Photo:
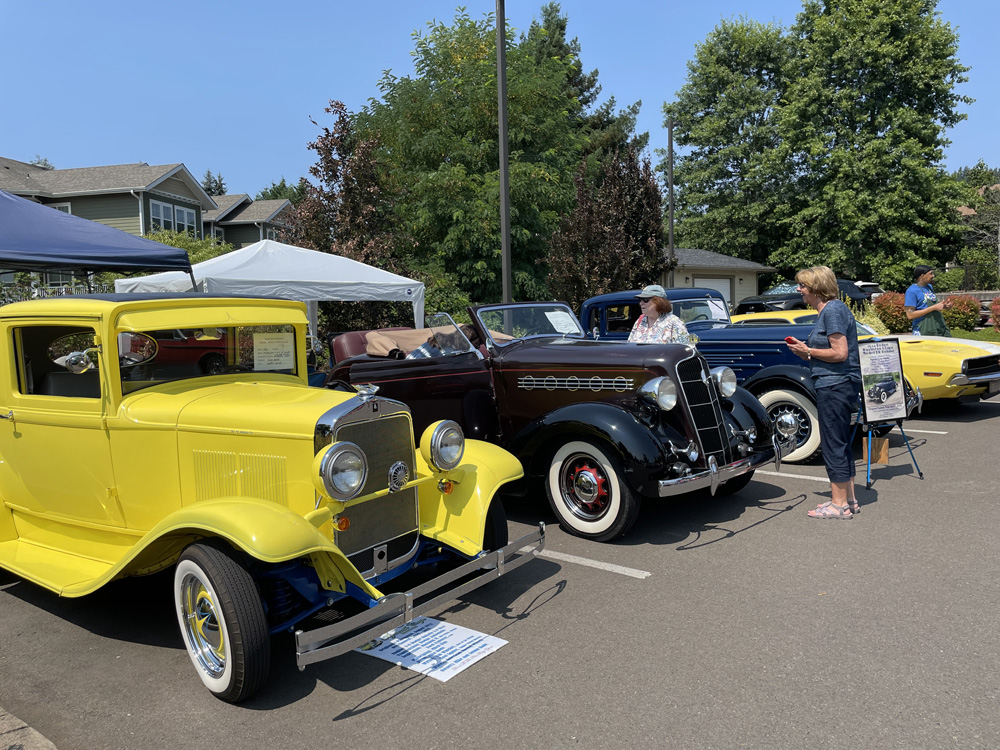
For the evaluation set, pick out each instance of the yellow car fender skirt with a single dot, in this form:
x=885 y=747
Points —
x=457 y=518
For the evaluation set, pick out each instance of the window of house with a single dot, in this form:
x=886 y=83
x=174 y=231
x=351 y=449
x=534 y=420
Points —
x=58 y=278
x=220 y=234
x=272 y=233
x=66 y=208
x=162 y=215
x=184 y=219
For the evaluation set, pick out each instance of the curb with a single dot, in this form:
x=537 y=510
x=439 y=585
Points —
x=16 y=735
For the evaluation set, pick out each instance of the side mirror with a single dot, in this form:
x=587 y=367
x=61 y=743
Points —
x=596 y=333
x=79 y=362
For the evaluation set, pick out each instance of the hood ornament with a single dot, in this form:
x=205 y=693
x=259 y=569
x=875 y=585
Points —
x=366 y=391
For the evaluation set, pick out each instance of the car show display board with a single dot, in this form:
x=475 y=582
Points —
x=432 y=647
x=883 y=397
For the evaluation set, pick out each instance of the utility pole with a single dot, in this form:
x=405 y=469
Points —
x=504 y=147
x=670 y=198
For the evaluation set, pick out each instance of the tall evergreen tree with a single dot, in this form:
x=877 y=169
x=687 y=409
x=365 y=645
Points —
x=213 y=184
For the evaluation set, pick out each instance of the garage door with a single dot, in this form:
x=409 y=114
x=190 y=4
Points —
x=725 y=286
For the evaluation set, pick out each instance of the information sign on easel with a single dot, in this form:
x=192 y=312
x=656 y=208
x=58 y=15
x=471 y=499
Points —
x=883 y=394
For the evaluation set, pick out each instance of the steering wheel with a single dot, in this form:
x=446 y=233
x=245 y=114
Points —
x=698 y=317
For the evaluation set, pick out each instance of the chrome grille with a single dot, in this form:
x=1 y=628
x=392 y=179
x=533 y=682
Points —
x=385 y=440
x=704 y=409
x=978 y=366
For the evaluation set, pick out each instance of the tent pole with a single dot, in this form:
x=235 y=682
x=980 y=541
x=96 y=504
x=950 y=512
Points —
x=194 y=282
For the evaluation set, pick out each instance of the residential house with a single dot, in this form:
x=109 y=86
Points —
x=241 y=221
x=735 y=278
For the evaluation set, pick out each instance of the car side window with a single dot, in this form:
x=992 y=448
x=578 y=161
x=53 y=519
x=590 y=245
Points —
x=622 y=317
x=41 y=361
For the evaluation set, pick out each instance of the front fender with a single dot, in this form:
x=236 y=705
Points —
x=747 y=411
x=781 y=377
x=633 y=443
x=266 y=531
x=457 y=518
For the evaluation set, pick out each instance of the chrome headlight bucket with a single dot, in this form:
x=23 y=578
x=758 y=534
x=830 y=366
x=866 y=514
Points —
x=443 y=444
x=725 y=381
x=660 y=391
x=342 y=470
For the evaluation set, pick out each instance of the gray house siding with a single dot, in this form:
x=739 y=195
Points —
x=241 y=235
x=120 y=211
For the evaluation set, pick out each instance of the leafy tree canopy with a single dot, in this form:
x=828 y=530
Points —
x=825 y=143
x=41 y=161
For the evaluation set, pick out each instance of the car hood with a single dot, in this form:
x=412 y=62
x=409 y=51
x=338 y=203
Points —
x=240 y=408
x=944 y=345
x=566 y=353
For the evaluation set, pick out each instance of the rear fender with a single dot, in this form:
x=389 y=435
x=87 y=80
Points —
x=457 y=518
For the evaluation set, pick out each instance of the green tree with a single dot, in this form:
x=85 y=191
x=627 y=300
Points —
x=437 y=134
x=612 y=240
x=871 y=91
x=198 y=249
x=978 y=176
x=284 y=191
x=41 y=161
x=213 y=184
x=724 y=113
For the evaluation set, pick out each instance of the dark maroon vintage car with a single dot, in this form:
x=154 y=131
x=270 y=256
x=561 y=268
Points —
x=601 y=424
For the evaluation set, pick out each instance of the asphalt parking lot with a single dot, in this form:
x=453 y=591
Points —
x=716 y=623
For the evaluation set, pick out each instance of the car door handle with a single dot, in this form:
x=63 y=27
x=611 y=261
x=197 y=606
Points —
x=9 y=415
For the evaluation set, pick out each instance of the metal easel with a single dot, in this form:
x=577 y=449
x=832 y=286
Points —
x=869 y=436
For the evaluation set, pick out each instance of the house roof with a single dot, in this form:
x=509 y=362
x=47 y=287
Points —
x=28 y=180
x=693 y=258
x=257 y=212
x=226 y=203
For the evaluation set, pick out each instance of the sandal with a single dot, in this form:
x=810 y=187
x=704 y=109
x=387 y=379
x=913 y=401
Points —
x=854 y=506
x=829 y=510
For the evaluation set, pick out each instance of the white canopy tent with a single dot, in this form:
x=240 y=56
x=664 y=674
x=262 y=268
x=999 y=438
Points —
x=273 y=269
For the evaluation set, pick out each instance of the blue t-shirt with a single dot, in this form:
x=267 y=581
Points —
x=835 y=317
x=919 y=298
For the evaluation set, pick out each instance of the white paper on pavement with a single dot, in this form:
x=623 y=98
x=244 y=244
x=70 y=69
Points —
x=432 y=647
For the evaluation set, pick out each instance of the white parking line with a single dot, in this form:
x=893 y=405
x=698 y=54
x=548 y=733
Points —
x=793 y=476
x=611 y=568
x=926 y=432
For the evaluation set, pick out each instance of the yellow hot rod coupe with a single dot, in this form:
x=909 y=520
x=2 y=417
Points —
x=123 y=454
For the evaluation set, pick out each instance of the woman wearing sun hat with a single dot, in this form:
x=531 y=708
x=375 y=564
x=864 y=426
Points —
x=657 y=324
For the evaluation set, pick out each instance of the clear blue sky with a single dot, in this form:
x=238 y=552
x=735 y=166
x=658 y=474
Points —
x=231 y=86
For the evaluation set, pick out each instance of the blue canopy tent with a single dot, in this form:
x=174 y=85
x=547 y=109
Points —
x=34 y=237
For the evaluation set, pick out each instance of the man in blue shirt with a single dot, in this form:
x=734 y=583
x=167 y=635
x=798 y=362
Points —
x=921 y=305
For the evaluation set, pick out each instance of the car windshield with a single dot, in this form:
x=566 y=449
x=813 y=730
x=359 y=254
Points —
x=180 y=354
x=447 y=336
x=506 y=323
x=701 y=309
x=788 y=287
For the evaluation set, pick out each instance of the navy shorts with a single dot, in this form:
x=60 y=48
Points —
x=836 y=404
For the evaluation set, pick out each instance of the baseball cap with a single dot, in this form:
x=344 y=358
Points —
x=653 y=290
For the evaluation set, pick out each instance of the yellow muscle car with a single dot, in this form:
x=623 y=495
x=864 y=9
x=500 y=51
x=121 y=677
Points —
x=272 y=501
x=940 y=367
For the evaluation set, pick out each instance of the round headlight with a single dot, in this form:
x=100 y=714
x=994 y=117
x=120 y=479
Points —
x=343 y=470
x=662 y=391
x=725 y=381
x=447 y=445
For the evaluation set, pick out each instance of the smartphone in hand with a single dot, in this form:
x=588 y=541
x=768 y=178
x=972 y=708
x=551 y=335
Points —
x=789 y=339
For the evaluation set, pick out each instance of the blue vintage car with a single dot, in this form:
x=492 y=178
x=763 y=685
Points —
x=756 y=353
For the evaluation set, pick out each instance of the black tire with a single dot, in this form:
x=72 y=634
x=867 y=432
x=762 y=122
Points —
x=495 y=533
x=222 y=621
x=801 y=407
x=588 y=493
x=213 y=364
x=734 y=485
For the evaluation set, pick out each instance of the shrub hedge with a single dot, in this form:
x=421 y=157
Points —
x=889 y=307
x=962 y=312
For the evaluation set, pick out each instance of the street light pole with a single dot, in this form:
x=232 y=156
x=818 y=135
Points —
x=670 y=198
x=504 y=147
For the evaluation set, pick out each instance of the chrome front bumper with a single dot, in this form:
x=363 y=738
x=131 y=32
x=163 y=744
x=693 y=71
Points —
x=716 y=475
x=394 y=610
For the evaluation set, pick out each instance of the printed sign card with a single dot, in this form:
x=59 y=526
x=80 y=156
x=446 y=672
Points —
x=883 y=396
x=432 y=647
